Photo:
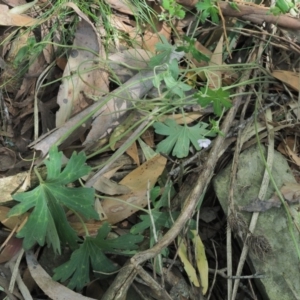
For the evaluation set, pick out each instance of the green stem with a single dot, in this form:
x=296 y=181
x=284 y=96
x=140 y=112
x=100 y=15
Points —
x=38 y=175
x=82 y=223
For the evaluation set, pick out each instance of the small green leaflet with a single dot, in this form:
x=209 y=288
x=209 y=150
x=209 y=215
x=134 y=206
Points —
x=165 y=50
x=48 y=222
x=179 y=137
x=170 y=77
x=90 y=254
x=219 y=98
x=208 y=9
x=284 y=5
x=234 y=6
x=176 y=87
x=174 y=9
x=161 y=220
x=189 y=47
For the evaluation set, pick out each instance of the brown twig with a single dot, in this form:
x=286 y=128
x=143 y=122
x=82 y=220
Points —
x=256 y=14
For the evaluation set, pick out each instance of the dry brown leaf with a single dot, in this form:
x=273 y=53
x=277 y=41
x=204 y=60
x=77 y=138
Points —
x=11 y=222
x=10 y=19
x=291 y=79
x=122 y=6
x=11 y=74
x=48 y=49
x=14 y=3
x=187 y=118
x=294 y=105
x=12 y=247
x=152 y=35
x=148 y=137
x=132 y=151
x=91 y=226
x=121 y=23
x=291 y=192
x=287 y=147
x=81 y=75
x=134 y=57
x=139 y=181
x=7 y=158
x=214 y=77
x=228 y=74
x=11 y=184
x=109 y=187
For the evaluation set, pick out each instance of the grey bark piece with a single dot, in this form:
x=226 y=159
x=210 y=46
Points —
x=282 y=267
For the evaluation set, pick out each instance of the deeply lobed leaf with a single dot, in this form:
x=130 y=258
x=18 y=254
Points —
x=90 y=255
x=48 y=221
x=179 y=137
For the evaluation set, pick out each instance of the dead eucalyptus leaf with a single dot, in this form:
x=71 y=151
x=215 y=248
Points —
x=109 y=187
x=291 y=79
x=139 y=181
x=81 y=75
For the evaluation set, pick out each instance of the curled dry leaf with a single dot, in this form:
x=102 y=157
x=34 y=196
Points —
x=291 y=192
x=7 y=18
x=287 y=148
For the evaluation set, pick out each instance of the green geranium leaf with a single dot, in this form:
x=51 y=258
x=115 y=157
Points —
x=179 y=137
x=219 y=98
x=90 y=256
x=48 y=222
x=208 y=9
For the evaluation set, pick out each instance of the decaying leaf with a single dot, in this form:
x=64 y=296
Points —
x=81 y=74
x=214 y=79
x=139 y=181
x=287 y=147
x=152 y=34
x=290 y=192
x=201 y=261
x=12 y=222
x=291 y=79
x=110 y=187
x=189 y=269
x=11 y=248
x=261 y=206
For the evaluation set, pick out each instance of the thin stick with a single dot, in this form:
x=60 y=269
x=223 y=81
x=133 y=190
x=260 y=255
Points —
x=261 y=195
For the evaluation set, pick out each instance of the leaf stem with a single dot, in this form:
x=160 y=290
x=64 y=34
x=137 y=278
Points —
x=82 y=223
x=38 y=175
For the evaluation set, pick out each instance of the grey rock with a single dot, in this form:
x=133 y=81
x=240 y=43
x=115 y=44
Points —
x=281 y=268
